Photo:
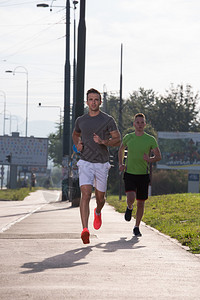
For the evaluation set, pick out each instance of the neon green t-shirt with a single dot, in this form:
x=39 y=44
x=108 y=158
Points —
x=137 y=146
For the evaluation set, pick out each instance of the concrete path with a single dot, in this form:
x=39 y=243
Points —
x=43 y=257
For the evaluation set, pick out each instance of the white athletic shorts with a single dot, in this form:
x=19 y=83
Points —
x=94 y=174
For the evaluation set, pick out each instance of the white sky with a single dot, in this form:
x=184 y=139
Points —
x=160 y=40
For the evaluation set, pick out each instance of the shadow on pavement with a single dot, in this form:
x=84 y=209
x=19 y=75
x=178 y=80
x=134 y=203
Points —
x=123 y=243
x=71 y=258
x=68 y=259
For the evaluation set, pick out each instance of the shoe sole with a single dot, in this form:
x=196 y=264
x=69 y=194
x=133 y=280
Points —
x=127 y=219
x=137 y=235
x=85 y=236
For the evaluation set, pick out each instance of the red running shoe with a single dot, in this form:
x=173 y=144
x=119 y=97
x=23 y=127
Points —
x=97 y=220
x=85 y=235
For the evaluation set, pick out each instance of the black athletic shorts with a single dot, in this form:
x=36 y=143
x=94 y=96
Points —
x=138 y=184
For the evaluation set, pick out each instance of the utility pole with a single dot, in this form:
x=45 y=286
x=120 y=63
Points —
x=120 y=92
x=74 y=68
x=104 y=99
x=120 y=118
x=79 y=106
x=80 y=81
x=66 y=124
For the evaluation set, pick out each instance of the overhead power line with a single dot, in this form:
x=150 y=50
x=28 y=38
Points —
x=6 y=3
x=23 y=45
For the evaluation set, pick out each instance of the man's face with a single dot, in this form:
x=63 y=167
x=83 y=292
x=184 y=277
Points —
x=93 y=101
x=139 y=124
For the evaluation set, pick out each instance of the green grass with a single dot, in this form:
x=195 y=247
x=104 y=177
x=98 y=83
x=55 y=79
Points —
x=17 y=194
x=176 y=215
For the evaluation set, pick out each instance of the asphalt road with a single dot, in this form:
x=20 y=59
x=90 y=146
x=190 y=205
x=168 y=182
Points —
x=43 y=257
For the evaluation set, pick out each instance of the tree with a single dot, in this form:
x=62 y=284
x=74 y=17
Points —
x=177 y=111
x=55 y=145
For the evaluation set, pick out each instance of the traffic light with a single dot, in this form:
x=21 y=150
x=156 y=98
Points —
x=8 y=158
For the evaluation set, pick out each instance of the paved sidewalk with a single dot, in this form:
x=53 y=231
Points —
x=43 y=257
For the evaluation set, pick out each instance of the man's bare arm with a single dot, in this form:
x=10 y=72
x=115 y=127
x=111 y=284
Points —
x=121 y=154
x=157 y=156
x=122 y=167
x=76 y=136
x=114 y=141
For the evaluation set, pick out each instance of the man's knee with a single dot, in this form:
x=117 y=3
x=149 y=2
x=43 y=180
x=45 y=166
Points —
x=86 y=192
x=130 y=196
x=140 y=203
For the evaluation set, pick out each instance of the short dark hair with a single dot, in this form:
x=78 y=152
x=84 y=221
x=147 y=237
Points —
x=94 y=91
x=141 y=115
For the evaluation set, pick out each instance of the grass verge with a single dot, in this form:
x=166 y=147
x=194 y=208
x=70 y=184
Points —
x=17 y=194
x=177 y=216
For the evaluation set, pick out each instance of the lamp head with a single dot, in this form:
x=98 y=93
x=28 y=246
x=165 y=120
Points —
x=42 y=5
x=75 y=3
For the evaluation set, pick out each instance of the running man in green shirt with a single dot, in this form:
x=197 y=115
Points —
x=140 y=145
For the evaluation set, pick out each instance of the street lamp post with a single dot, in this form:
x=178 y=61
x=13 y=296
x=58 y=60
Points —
x=53 y=106
x=74 y=68
x=120 y=117
x=79 y=106
x=80 y=79
x=10 y=119
x=4 y=109
x=66 y=122
x=25 y=72
x=4 y=124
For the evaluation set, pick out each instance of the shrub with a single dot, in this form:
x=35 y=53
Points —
x=169 y=182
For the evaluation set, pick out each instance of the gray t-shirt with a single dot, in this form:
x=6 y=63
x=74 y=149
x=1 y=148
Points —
x=102 y=125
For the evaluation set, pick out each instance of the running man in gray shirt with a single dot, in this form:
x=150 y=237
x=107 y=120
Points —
x=92 y=134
